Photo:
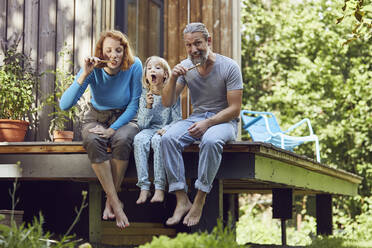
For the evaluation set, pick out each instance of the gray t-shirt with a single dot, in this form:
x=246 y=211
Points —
x=208 y=94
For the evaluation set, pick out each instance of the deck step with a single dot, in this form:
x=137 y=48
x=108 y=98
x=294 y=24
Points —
x=137 y=233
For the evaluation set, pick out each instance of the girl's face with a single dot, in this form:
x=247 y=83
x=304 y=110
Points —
x=113 y=51
x=155 y=73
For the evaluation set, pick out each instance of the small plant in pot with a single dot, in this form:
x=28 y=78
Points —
x=18 y=83
x=60 y=118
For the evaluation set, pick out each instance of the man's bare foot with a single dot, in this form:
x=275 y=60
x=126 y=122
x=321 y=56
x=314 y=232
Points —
x=108 y=213
x=121 y=218
x=181 y=209
x=193 y=216
x=158 y=196
x=144 y=195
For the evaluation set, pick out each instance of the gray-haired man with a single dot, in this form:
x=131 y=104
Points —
x=216 y=95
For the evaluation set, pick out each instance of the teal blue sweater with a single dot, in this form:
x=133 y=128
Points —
x=120 y=91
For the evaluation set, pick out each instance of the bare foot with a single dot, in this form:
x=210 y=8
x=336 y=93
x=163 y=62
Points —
x=181 y=209
x=193 y=217
x=121 y=218
x=108 y=213
x=144 y=195
x=158 y=196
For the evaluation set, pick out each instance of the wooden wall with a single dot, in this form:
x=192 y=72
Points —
x=222 y=18
x=46 y=26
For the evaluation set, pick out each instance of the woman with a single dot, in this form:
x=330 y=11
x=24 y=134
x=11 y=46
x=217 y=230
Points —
x=114 y=76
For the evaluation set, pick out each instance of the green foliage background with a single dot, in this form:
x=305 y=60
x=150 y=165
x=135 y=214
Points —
x=294 y=64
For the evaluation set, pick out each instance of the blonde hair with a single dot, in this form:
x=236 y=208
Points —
x=164 y=64
x=128 y=57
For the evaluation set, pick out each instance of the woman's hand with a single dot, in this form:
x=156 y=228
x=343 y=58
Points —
x=149 y=100
x=102 y=132
x=90 y=63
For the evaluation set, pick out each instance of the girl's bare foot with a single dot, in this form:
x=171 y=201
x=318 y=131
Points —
x=108 y=213
x=158 y=196
x=181 y=209
x=144 y=195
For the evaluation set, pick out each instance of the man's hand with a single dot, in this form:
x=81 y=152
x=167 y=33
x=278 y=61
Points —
x=178 y=70
x=161 y=132
x=102 y=132
x=197 y=129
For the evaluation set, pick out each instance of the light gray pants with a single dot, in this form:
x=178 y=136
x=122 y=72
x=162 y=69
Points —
x=211 y=146
x=142 y=142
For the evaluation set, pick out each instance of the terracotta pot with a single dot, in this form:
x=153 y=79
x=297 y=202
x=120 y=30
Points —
x=63 y=136
x=13 y=130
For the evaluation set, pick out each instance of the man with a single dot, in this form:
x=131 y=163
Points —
x=216 y=95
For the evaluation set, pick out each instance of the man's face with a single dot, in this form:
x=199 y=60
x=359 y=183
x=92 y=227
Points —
x=197 y=47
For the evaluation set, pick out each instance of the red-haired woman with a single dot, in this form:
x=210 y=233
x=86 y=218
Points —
x=114 y=77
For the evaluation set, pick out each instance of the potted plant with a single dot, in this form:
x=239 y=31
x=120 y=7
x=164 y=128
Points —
x=18 y=81
x=60 y=118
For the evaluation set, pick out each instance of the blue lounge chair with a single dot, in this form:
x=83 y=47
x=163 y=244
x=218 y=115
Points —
x=263 y=126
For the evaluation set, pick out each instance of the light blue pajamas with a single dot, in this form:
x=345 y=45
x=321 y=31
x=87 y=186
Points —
x=149 y=122
x=211 y=146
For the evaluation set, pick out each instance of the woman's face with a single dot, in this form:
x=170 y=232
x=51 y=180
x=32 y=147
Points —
x=113 y=51
x=155 y=73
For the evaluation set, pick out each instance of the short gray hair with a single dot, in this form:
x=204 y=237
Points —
x=196 y=27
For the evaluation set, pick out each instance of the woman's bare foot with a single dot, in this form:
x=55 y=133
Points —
x=108 y=213
x=182 y=208
x=144 y=195
x=158 y=196
x=121 y=218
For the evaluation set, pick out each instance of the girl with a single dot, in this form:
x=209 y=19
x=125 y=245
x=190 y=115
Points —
x=114 y=77
x=153 y=120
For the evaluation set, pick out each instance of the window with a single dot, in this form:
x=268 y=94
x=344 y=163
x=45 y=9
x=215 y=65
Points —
x=143 y=22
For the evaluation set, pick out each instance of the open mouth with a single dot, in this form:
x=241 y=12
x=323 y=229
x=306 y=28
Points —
x=153 y=78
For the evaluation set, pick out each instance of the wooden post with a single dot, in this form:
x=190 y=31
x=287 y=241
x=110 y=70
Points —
x=95 y=192
x=282 y=208
x=324 y=214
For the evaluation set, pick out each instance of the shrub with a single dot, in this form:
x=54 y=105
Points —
x=220 y=237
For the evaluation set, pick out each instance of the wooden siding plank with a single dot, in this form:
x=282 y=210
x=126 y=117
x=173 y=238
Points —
x=207 y=15
x=97 y=21
x=216 y=39
x=15 y=21
x=30 y=45
x=83 y=32
x=31 y=31
x=196 y=10
x=47 y=37
x=226 y=27
x=165 y=34
x=143 y=36
x=65 y=31
x=3 y=24
x=173 y=24
x=185 y=96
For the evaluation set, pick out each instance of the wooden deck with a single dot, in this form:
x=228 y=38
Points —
x=245 y=167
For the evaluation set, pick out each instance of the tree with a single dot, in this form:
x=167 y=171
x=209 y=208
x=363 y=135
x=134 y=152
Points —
x=294 y=65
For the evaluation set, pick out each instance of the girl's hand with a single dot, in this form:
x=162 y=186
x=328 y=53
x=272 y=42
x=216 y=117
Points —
x=102 y=132
x=161 y=132
x=90 y=63
x=149 y=100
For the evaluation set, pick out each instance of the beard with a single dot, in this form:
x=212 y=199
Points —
x=202 y=58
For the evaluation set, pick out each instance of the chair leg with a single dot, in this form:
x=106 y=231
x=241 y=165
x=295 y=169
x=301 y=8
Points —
x=317 y=149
